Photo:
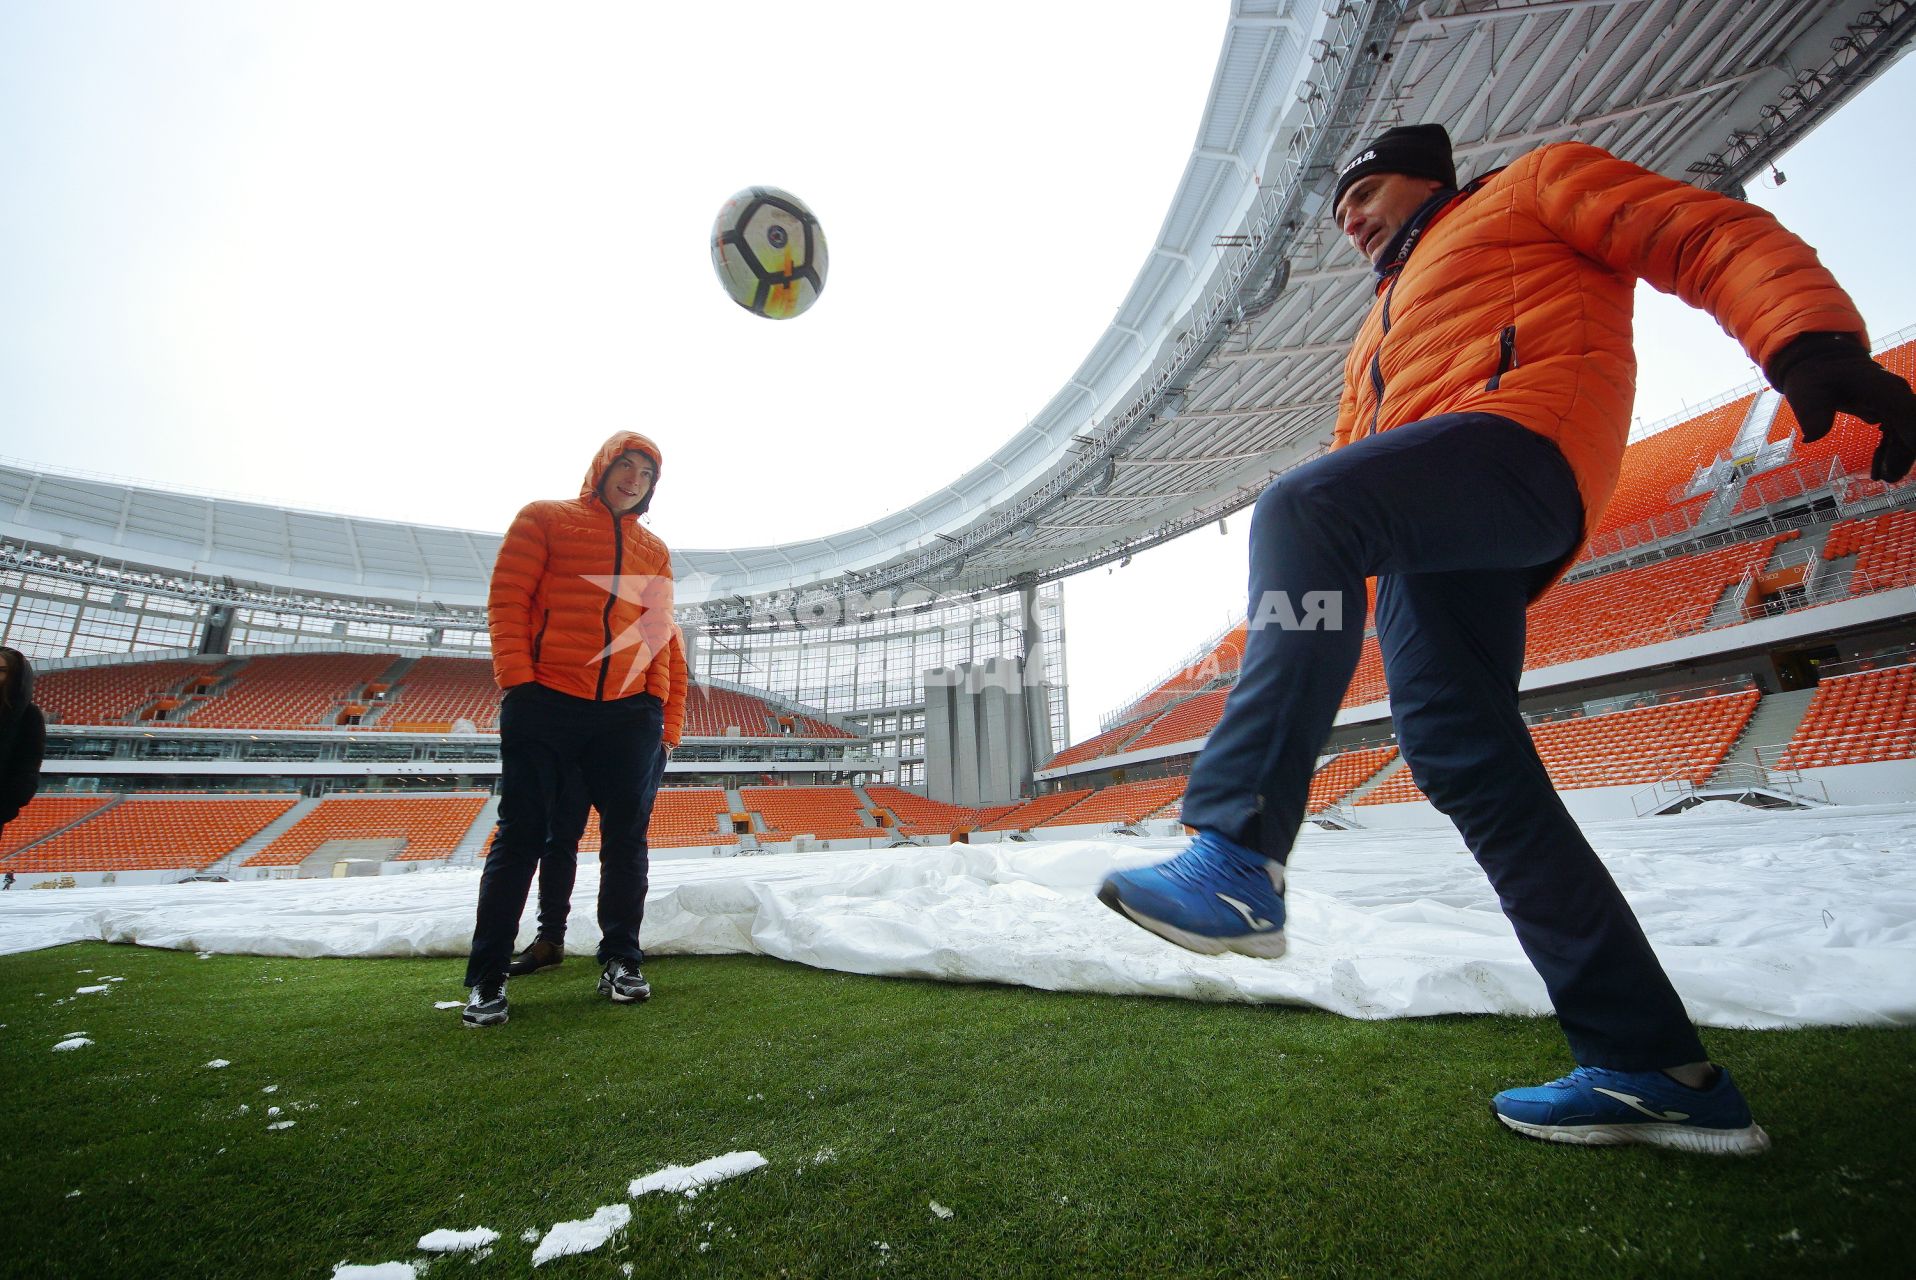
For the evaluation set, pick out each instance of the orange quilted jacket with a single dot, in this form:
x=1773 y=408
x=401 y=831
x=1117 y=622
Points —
x=1518 y=302
x=581 y=600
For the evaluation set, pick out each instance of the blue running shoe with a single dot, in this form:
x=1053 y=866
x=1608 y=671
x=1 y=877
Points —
x=1216 y=896
x=1599 y=1108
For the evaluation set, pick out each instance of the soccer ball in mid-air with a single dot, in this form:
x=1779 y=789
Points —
x=769 y=252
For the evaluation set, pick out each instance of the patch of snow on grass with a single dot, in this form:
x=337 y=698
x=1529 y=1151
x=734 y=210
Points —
x=449 y=1004
x=530 y=1235
x=690 y=1177
x=939 y=1211
x=217 y=1063
x=375 y=1271
x=91 y=991
x=446 y=1240
x=281 y=1124
x=73 y=1042
x=583 y=1235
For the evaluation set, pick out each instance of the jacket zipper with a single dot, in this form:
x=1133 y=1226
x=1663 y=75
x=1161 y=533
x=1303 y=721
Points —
x=612 y=598
x=1377 y=359
x=539 y=641
x=1506 y=356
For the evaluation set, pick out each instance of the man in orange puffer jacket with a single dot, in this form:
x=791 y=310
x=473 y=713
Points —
x=1485 y=410
x=580 y=614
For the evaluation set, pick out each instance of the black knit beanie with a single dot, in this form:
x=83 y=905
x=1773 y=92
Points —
x=1416 y=150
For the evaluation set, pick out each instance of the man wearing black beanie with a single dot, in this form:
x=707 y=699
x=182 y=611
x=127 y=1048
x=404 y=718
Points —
x=1485 y=409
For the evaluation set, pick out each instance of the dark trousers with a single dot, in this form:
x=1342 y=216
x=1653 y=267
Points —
x=559 y=864
x=1461 y=518
x=612 y=748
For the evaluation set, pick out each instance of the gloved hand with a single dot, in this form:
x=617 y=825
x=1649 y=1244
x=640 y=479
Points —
x=1823 y=374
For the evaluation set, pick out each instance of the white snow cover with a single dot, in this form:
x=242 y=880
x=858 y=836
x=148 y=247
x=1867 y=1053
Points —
x=676 y=1177
x=375 y=1271
x=71 y=1043
x=583 y=1235
x=446 y=1240
x=1762 y=919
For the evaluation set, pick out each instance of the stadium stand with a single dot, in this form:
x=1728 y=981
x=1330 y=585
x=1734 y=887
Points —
x=1110 y=742
x=1344 y=773
x=1687 y=739
x=1367 y=684
x=684 y=817
x=45 y=815
x=431 y=826
x=828 y=813
x=1127 y=802
x=1884 y=547
x=435 y=694
x=1034 y=812
x=1626 y=608
x=291 y=691
x=1192 y=718
x=113 y=694
x=142 y=833
x=1658 y=468
x=917 y=816
x=1847 y=448
x=1857 y=719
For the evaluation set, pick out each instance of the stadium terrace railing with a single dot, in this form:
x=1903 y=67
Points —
x=1191 y=663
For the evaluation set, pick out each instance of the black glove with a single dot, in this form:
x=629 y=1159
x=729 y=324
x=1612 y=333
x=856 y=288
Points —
x=1823 y=374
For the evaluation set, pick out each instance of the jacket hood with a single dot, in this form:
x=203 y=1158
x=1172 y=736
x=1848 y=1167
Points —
x=620 y=442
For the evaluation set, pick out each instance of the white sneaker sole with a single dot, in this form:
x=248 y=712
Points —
x=1264 y=946
x=1751 y=1141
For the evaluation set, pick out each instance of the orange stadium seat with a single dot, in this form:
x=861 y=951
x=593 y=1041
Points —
x=290 y=691
x=1193 y=718
x=112 y=694
x=1657 y=468
x=153 y=834
x=435 y=694
x=1640 y=745
x=432 y=826
x=1856 y=719
x=45 y=815
x=1036 y=811
x=918 y=816
x=1125 y=803
x=1344 y=773
x=828 y=813
x=1884 y=547
x=1847 y=448
x=1625 y=608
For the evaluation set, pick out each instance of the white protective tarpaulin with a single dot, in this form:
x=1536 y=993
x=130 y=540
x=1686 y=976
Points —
x=1762 y=919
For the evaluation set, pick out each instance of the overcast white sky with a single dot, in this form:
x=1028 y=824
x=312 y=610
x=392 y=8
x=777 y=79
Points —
x=416 y=261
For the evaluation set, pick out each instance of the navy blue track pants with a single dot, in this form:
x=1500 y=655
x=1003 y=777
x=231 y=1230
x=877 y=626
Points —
x=1462 y=519
x=612 y=750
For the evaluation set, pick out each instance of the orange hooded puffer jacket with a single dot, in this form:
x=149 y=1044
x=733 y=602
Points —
x=581 y=599
x=1517 y=301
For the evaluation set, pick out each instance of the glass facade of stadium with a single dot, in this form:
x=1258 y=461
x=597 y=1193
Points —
x=868 y=674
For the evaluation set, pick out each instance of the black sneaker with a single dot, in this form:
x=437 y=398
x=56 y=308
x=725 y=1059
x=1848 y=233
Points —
x=540 y=955
x=486 y=1007
x=623 y=982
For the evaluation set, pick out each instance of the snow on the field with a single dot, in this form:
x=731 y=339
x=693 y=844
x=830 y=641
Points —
x=449 y=1004
x=217 y=1063
x=583 y=1235
x=1762 y=919
x=91 y=991
x=376 y=1271
x=446 y=1240
x=690 y=1177
x=72 y=1042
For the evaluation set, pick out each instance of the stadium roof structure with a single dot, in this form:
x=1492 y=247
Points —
x=1223 y=363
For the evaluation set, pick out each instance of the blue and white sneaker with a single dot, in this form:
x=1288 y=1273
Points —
x=1598 y=1108
x=1216 y=896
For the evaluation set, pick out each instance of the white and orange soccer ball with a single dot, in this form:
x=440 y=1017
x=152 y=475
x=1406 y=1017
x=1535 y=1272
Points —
x=769 y=252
